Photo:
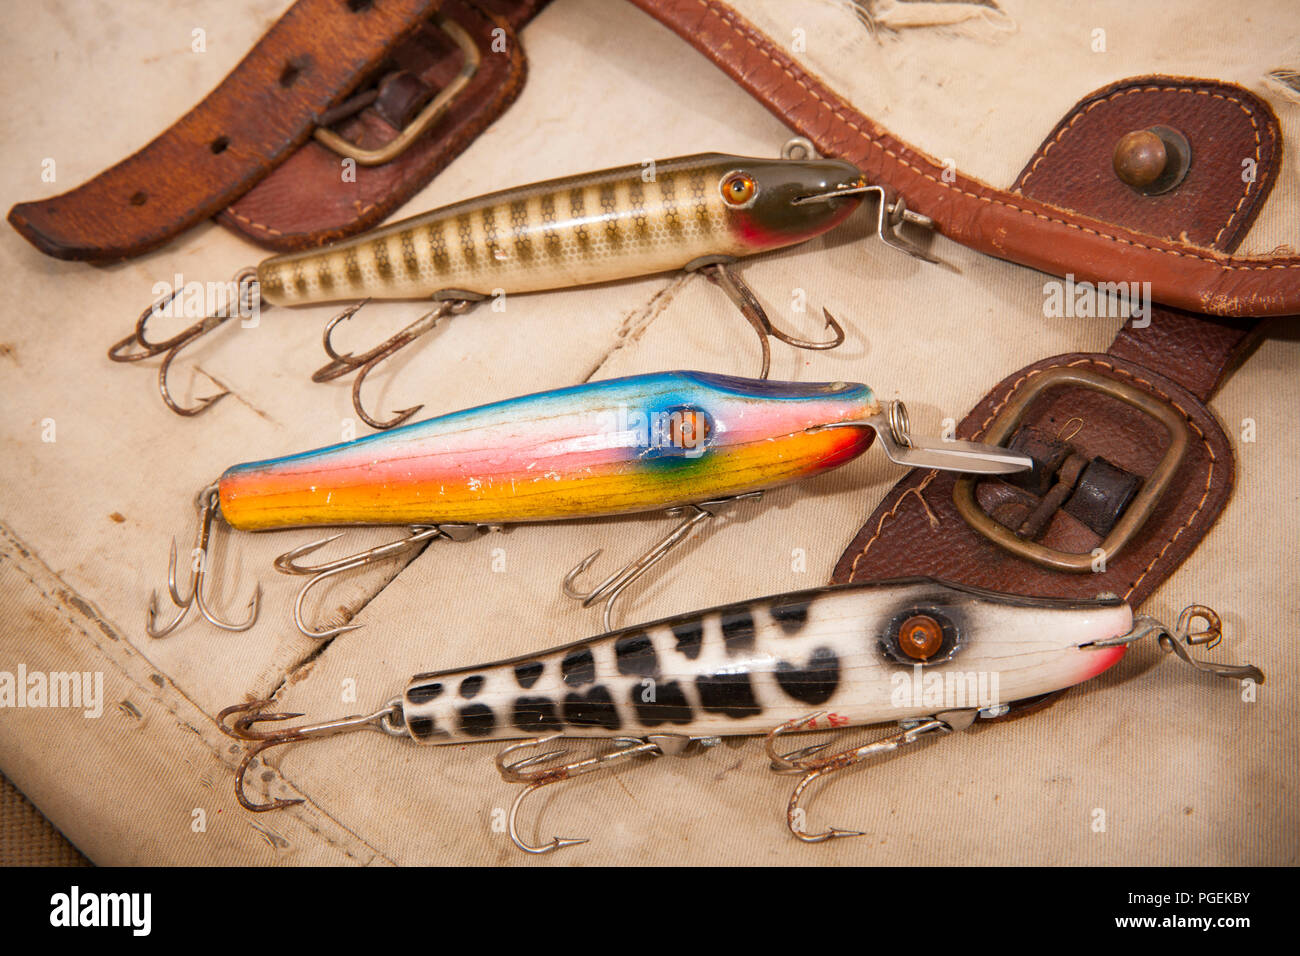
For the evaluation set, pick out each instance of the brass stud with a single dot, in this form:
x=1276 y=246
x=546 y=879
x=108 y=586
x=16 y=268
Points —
x=1140 y=158
x=1152 y=161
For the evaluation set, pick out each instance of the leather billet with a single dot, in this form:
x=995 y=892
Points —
x=251 y=137
x=1095 y=243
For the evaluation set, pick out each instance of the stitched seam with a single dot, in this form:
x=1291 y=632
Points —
x=63 y=612
x=1209 y=474
x=507 y=90
x=1250 y=114
x=1220 y=261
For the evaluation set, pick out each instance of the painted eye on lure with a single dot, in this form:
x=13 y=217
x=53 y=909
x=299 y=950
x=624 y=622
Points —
x=921 y=636
x=689 y=427
x=738 y=189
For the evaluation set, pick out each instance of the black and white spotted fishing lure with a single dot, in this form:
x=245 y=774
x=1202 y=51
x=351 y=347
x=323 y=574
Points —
x=931 y=656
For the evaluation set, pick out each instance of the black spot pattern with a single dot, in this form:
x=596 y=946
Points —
x=669 y=706
x=325 y=277
x=527 y=673
x=422 y=728
x=536 y=715
x=477 y=720
x=471 y=685
x=729 y=694
x=792 y=617
x=578 y=667
x=815 y=683
x=636 y=655
x=690 y=637
x=423 y=693
x=738 y=631
x=592 y=709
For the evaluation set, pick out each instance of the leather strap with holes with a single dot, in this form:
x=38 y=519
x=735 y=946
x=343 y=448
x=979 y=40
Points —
x=1176 y=362
x=1045 y=229
x=261 y=112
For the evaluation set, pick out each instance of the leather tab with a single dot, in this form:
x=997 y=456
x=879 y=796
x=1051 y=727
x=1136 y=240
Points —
x=264 y=108
x=917 y=530
x=1175 y=356
x=1235 y=158
x=307 y=202
x=1234 y=145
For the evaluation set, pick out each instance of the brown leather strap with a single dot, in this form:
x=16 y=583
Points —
x=1045 y=235
x=1173 y=364
x=307 y=202
x=264 y=108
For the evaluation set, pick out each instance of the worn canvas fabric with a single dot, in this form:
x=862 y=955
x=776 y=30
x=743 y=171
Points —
x=1149 y=764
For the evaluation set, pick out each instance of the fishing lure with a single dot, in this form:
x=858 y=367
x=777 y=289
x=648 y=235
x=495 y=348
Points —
x=689 y=442
x=696 y=212
x=932 y=656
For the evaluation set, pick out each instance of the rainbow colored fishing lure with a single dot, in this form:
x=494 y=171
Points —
x=605 y=448
x=688 y=440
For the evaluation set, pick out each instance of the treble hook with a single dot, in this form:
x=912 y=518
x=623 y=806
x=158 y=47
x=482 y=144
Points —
x=287 y=564
x=245 y=284
x=341 y=363
x=807 y=762
x=387 y=719
x=616 y=583
x=207 y=503
x=628 y=748
x=724 y=277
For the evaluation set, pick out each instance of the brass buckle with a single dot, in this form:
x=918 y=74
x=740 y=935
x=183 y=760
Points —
x=431 y=113
x=1139 y=510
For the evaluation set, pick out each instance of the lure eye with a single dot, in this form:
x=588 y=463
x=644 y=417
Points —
x=920 y=637
x=689 y=428
x=738 y=189
x=685 y=428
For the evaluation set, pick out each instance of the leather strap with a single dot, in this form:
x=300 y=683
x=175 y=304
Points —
x=1175 y=362
x=1095 y=243
x=265 y=107
x=306 y=202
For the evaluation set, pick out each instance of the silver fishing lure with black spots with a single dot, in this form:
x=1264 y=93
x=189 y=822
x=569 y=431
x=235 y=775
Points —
x=929 y=655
